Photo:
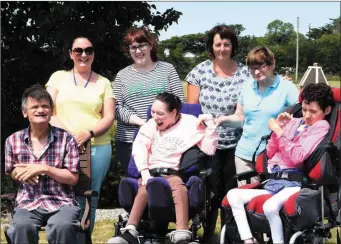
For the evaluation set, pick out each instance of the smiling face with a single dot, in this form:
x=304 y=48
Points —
x=163 y=118
x=261 y=72
x=313 y=113
x=37 y=111
x=222 y=48
x=140 y=52
x=83 y=59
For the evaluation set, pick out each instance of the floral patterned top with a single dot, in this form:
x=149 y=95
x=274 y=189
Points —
x=219 y=96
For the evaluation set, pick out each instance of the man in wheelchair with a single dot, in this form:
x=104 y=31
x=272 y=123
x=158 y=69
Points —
x=292 y=141
x=157 y=151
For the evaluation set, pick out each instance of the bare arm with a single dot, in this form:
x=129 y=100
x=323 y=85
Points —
x=193 y=93
x=235 y=120
x=108 y=117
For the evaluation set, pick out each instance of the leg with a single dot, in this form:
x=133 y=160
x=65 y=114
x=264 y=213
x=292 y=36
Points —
x=63 y=225
x=271 y=210
x=237 y=199
x=25 y=226
x=123 y=154
x=100 y=162
x=180 y=197
x=243 y=165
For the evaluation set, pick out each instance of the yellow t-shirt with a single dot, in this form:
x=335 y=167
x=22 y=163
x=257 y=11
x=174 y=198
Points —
x=79 y=108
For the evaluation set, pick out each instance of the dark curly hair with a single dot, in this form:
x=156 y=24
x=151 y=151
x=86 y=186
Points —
x=172 y=101
x=320 y=93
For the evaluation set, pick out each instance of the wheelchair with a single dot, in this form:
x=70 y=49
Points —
x=160 y=210
x=309 y=215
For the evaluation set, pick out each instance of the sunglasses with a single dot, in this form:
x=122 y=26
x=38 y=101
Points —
x=79 y=51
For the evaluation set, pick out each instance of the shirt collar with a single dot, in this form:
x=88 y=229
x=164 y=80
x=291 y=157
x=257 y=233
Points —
x=273 y=85
x=26 y=135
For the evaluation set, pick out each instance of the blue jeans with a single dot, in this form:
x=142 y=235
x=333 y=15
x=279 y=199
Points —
x=100 y=162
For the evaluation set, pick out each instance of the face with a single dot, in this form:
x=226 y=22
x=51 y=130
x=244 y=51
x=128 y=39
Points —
x=82 y=53
x=222 y=48
x=163 y=118
x=37 y=112
x=312 y=112
x=261 y=72
x=140 y=52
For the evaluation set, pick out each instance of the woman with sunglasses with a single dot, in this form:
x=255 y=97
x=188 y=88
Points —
x=261 y=99
x=136 y=86
x=84 y=106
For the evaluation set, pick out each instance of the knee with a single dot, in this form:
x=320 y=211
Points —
x=270 y=209
x=25 y=226
x=233 y=197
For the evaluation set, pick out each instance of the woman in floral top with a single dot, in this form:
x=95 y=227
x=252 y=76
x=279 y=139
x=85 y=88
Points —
x=216 y=84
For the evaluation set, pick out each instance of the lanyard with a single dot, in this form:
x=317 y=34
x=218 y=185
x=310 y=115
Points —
x=74 y=78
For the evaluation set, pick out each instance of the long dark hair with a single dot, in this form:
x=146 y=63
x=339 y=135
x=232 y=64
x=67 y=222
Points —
x=172 y=101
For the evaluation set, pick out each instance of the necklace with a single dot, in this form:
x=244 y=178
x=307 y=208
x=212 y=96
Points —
x=74 y=78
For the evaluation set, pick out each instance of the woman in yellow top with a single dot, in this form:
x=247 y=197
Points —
x=84 y=106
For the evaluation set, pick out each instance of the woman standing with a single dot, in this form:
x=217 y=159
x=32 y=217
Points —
x=264 y=98
x=84 y=106
x=136 y=86
x=216 y=84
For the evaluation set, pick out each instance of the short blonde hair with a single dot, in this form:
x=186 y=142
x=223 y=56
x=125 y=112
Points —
x=259 y=56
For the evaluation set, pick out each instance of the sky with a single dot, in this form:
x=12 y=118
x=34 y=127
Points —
x=254 y=16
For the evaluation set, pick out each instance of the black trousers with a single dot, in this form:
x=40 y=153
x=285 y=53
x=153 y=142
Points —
x=123 y=154
x=223 y=170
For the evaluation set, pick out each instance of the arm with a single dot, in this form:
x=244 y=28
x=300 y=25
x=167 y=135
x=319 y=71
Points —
x=193 y=93
x=209 y=142
x=272 y=146
x=299 y=150
x=54 y=119
x=175 y=83
x=293 y=94
x=235 y=120
x=122 y=112
x=67 y=175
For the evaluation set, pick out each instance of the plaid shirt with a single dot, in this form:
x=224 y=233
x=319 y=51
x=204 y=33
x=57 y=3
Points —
x=60 y=152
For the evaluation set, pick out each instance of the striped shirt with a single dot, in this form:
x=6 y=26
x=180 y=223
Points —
x=61 y=151
x=135 y=91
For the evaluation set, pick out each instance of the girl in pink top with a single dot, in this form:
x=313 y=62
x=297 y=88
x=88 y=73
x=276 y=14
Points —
x=291 y=142
x=160 y=144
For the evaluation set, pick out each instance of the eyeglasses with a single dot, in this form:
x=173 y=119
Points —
x=141 y=47
x=259 y=68
x=79 y=51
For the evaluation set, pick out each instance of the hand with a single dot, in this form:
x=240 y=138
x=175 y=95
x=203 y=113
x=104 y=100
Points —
x=145 y=176
x=274 y=126
x=218 y=121
x=32 y=181
x=82 y=137
x=283 y=119
x=29 y=170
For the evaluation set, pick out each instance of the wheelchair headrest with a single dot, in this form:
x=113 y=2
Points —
x=336 y=94
x=193 y=109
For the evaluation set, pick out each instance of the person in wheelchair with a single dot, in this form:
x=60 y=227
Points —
x=291 y=142
x=157 y=151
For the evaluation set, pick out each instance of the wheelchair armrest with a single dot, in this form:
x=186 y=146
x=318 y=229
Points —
x=245 y=175
x=10 y=198
x=204 y=173
x=85 y=222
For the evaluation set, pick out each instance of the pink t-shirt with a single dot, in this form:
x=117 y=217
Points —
x=163 y=149
x=288 y=151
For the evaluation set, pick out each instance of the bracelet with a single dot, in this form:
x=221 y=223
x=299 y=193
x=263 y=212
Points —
x=92 y=134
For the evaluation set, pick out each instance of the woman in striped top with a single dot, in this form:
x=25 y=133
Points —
x=136 y=86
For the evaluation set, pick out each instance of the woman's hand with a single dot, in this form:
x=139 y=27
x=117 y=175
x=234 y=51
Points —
x=218 y=121
x=145 y=176
x=283 y=119
x=82 y=137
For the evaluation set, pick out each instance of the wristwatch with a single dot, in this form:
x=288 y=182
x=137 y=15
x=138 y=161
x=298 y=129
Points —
x=92 y=134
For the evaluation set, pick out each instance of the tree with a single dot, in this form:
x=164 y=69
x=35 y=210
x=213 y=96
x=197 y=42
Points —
x=279 y=32
x=330 y=28
x=35 y=37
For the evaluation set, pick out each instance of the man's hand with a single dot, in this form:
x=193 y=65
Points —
x=283 y=119
x=32 y=181
x=274 y=126
x=82 y=137
x=30 y=170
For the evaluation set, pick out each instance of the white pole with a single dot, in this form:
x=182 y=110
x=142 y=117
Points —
x=298 y=25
